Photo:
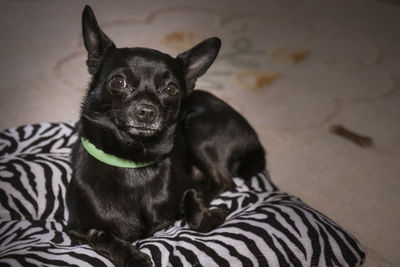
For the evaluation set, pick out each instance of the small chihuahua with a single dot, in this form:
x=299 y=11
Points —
x=151 y=149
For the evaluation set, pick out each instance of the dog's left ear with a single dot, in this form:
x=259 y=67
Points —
x=96 y=41
x=198 y=59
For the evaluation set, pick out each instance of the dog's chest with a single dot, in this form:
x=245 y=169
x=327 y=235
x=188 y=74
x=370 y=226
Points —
x=139 y=202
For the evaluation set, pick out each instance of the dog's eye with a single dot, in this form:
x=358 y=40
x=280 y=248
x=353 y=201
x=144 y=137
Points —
x=171 y=89
x=118 y=82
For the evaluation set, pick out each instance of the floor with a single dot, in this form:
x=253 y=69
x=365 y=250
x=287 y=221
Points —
x=293 y=68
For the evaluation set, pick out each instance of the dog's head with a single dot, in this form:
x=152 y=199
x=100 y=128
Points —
x=136 y=92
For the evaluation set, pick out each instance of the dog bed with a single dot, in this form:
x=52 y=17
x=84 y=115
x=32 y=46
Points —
x=265 y=227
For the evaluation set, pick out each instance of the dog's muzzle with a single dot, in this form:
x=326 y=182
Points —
x=144 y=120
x=145 y=113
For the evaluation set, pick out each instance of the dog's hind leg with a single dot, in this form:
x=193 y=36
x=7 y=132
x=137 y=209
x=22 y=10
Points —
x=250 y=164
x=121 y=252
x=198 y=216
x=214 y=171
x=220 y=180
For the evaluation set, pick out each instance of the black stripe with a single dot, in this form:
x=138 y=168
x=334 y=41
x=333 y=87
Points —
x=21 y=259
x=232 y=251
x=291 y=255
x=4 y=203
x=21 y=208
x=265 y=177
x=330 y=257
x=234 y=205
x=206 y=250
x=98 y=262
x=286 y=217
x=58 y=237
x=312 y=235
x=25 y=162
x=210 y=237
x=49 y=194
x=51 y=145
x=173 y=259
x=346 y=252
x=155 y=253
x=260 y=256
x=60 y=210
x=274 y=223
x=264 y=182
x=189 y=255
x=3 y=263
x=71 y=126
x=50 y=127
x=62 y=163
x=38 y=256
x=9 y=225
x=279 y=198
x=10 y=148
x=16 y=181
x=262 y=233
x=351 y=240
x=42 y=143
x=22 y=130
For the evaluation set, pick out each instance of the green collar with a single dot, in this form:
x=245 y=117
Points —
x=111 y=159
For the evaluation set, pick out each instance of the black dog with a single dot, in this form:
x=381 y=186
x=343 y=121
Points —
x=150 y=150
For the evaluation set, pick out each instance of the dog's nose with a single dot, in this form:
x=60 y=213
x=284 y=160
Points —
x=145 y=112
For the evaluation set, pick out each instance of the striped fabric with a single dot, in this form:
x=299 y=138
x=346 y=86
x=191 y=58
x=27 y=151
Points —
x=265 y=227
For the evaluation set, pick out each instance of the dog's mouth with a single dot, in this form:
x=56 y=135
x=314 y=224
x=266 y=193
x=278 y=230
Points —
x=141 y=131
x=135 y=128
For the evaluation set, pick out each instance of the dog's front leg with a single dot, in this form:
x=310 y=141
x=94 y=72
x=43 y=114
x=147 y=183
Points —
x=198 y=216
x=120 y=252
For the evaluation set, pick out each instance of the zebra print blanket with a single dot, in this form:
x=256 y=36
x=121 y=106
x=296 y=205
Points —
x=265 y=226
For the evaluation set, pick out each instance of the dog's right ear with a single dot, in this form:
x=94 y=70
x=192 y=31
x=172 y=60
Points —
x=198 y=59
x=96 y=42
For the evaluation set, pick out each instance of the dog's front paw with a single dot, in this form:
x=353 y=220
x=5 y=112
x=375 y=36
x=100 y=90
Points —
x=137 y=260
x=129 y=255
x=218 y=217
x=198 y=216
x=122 y=253
x=212 y=219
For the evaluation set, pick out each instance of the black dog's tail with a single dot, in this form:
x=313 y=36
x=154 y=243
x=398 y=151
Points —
x=250 y=164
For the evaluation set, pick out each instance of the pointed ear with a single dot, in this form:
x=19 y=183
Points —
x=198 y=59
x=96 y=42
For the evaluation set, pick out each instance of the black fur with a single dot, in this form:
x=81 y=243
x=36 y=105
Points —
x=140 y=106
